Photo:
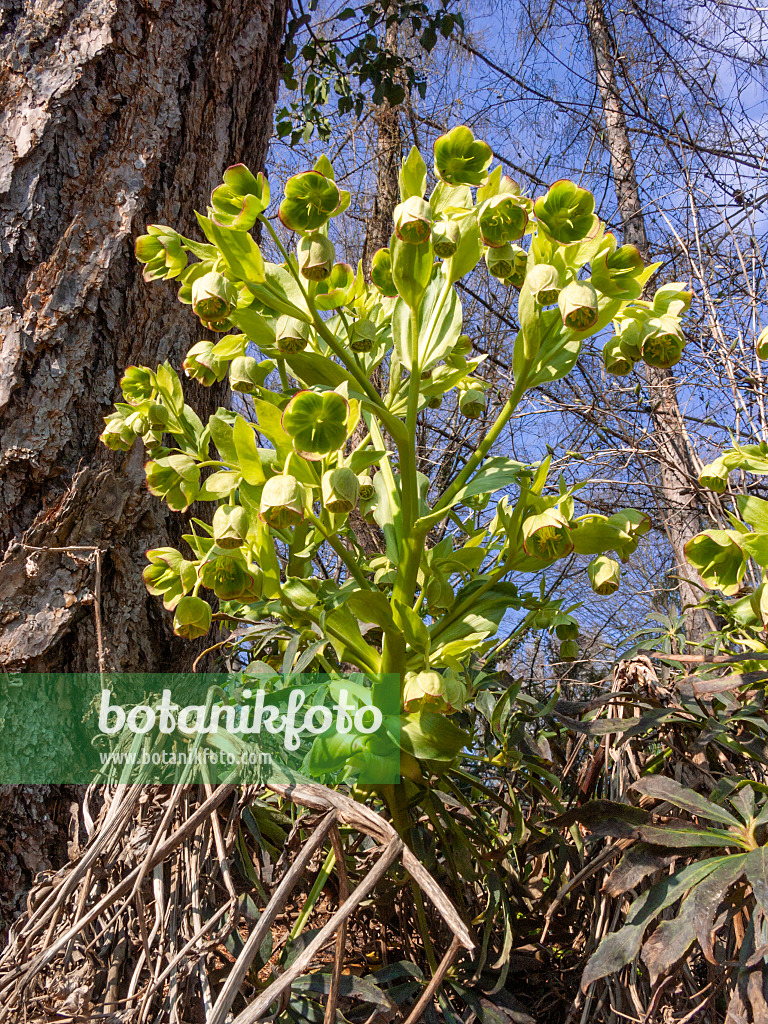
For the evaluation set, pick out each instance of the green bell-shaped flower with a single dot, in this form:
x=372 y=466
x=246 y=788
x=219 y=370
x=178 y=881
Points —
x=239 y=201
x=200 y=364
x=761 y=345
x=340 y=490
x=192 y=618
x=460 y=159
x=501 y=261
x=446 y=238
x=367 y=489
x=175 y=478
x=119 y=434
x=310 y=201
x=663 y=341
x=381 y=273
x=569 y=650
x=616 y=358
x=362 y=335
x=519 y=267
x=579 y=305
x=291 y=335
x=162 y=253
x=604 y=575
x=316 y=422
x=502 y=219
x=472 y=403
x=715 y=475
x=719 y=558
x=566 y=212
x=282 y=502
x=139 y=385
x=213 y=297
x=229 y=578
x=413 y=220
x=566 y=628
x=546 y=283
x=230 y=526
x=546 y=535
x=434 y=691
x=316 y=255
x=619 y=274
x=247 y=374
x=168 y=575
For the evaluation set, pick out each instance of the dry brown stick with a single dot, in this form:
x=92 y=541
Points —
x=368 y=821
x=429 y=992
x=175 y=839
x=250 y=949
x=341 y=934
x=261 y=1004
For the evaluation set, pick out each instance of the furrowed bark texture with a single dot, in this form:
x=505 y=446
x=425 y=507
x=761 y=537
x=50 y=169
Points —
x=113 y=114
x=678 y=465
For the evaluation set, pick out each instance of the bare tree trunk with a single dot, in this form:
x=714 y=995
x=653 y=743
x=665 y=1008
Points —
x=113 y=114
x=678 y=465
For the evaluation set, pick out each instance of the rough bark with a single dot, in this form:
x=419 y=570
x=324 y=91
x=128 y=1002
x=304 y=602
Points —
x=113 y=114
x=678 y=465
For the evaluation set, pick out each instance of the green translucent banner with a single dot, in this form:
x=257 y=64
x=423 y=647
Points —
x=168 y=728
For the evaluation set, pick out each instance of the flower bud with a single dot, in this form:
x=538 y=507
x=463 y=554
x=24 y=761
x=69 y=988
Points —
x=168 y=575
x=545 y=283
x=381 y=273
x=138 y=385
x=201 y=365
x=502 y=220
x=175 y=478
x=291 y=335
x=604 y=575
x=229 y=579
x=367 y=489
x=213 y=297
x=341 y=490
x=413 y=220
x=472 y=403
x=578 y=305
x=316 y=255
x=446 y=237
x=569 y=650
x=363 y=333
x=246 y=374
x=192 y=618
x=282 y=502
x=230 y=526
x=547 y=536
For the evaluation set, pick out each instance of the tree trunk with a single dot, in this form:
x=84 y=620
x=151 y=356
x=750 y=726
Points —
x=113 y=114
x=678 y=465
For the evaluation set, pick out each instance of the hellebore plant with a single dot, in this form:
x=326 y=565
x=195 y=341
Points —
x=340 y=447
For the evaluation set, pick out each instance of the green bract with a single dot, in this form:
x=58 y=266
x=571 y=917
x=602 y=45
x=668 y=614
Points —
x=566 y=213
x=381 y=272
x=316 y=422
x=310 y=200
x=460 y=159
